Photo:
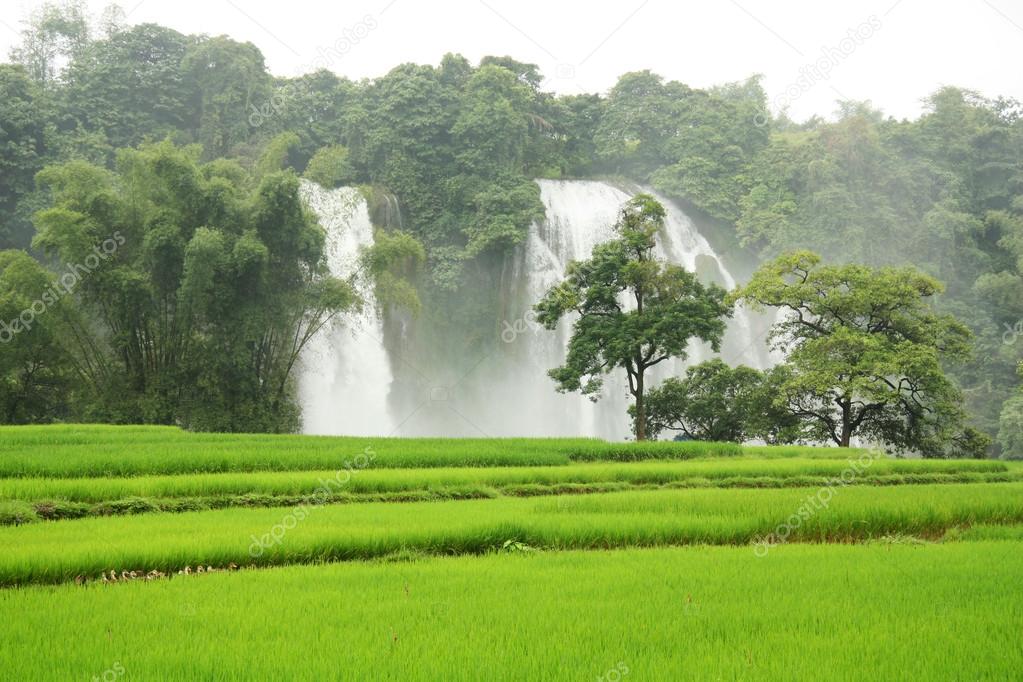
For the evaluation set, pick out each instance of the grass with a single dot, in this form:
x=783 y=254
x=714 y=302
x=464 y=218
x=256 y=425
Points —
x=376 y=481
x=450 y=586
x=54 y=552
x=106 y=451
x=880 y=612
x=55 y=498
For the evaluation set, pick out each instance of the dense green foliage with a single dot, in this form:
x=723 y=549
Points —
x=193 y=275
x=864 y=355
x=458 y=145
x=941 y=611
x=37 y=378
x=720 y=403
x=942 y=193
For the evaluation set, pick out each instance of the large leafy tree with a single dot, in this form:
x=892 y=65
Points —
x=25 y=138
x=229 y=83
x=209 y=292
x=865 y=354
x=131 y=86
x=941 y=193
x=716 y=402
x=634 y=310
x=54 y=34
x=38 y=376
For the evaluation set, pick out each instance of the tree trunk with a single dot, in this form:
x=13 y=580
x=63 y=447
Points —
x=640 y=408
x=846 y=425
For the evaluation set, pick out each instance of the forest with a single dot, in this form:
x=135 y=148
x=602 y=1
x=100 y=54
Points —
x=167 y=166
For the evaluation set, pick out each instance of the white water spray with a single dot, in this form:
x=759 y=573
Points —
x=345 y=376
x=346 y=379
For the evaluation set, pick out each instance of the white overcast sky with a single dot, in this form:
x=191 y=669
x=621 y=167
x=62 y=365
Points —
x=915 y=47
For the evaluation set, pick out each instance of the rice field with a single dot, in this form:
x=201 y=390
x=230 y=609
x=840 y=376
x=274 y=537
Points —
x=877 y=612
x=107 y=451
x=441 y=559
x=65 y=550
x=30 y=499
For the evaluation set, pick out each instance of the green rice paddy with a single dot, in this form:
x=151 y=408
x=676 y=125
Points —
x=459 y=559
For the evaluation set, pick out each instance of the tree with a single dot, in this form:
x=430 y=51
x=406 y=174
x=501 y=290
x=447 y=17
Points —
x=23 y=148
x=767 y=414
x=231 y=92
x=634 y=311
x=37 y=376
x=716 y=402
x=865 y=353
x=1010 y=435
x=53 y=35
x=635 y=125
x=131 y=86
x=709 y=403
x=329 y=167
x=491 y=127
x=208 y=288
x=318 y=106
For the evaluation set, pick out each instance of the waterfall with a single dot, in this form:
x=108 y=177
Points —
x=344 y=379
x=681 y=243
x=579 y=215
x=346 y=385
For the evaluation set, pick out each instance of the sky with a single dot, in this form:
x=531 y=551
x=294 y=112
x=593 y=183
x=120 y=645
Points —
x=811 y=53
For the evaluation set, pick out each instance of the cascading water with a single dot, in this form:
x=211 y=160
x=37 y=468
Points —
x=346 y=380
x=345 y=376
x=579 y=215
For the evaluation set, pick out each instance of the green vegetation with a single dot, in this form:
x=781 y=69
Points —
x=329 y=167
x=158 y=267
x=865 y=355
x=195 y=275
x=392 y=480
x=942 y=611
x=118 y=451
x=32 y=499
x=716 y=402
x=60 y=551
x=918 y=553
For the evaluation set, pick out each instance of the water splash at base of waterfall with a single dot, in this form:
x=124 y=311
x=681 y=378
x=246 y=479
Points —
x=345 y=377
